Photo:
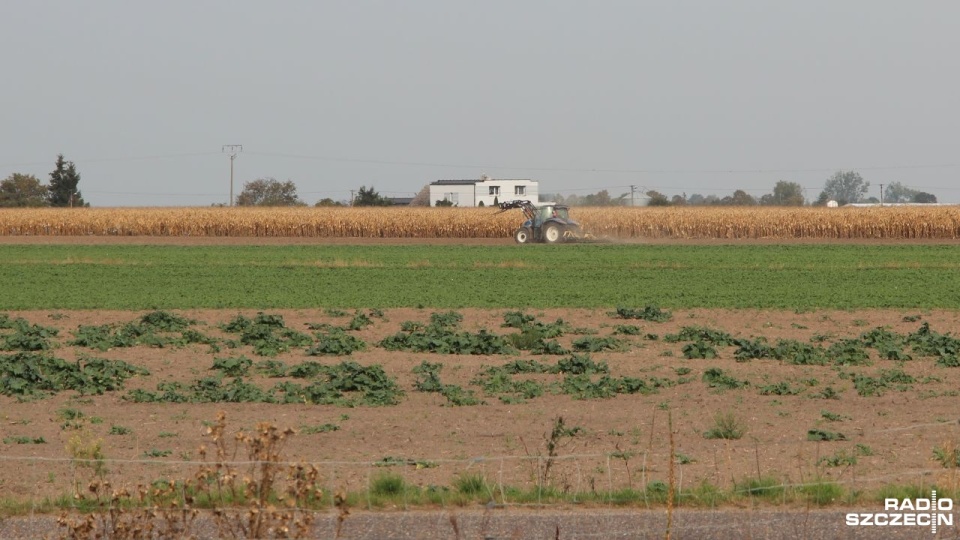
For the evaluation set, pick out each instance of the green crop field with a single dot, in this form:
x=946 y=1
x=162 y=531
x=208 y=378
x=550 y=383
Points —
x=720 y=276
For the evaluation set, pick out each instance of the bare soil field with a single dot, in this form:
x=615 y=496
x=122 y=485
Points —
x=615 y=442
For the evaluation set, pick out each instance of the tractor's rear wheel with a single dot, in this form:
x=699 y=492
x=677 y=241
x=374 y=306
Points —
x=552 y=233
x=523 y=235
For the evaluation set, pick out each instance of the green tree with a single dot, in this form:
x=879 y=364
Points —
x=896 y=192
x=657 y=199
x=269 y=192
x=845 y=187
x=369 y=197
x=20 y=190
x=328 y=202
x=444 y=202
x=63 y=184
x=924 y=197
x=740 y=198
x=784 y=194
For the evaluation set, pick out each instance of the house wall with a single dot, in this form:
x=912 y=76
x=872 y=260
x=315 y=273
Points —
x=508 y=191
x=461 y=195
x=470 y=195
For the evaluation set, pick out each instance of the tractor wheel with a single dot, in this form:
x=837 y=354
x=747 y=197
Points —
x=523 y=235
x=552 y=233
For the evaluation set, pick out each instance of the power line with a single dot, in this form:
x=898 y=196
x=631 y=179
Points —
x=374 y=161
x=371 y=161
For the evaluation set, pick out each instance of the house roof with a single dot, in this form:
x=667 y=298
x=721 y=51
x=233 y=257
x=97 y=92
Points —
x=473 y=181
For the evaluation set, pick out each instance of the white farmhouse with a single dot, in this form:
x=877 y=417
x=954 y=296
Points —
x=465 y=193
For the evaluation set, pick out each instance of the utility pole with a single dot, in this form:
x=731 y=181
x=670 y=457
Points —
x=351 y=197
x=233 y=149
x=881 y=194
x=632 y=189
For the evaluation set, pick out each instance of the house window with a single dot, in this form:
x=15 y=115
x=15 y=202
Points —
x=494 y=190
x=520 y=190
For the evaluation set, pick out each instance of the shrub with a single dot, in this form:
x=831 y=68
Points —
x=725 y=426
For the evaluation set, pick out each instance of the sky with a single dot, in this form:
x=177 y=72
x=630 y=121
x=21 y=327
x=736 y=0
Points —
x=677 y=96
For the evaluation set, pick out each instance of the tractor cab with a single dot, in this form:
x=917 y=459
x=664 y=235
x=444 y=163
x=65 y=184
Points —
x=548 y=223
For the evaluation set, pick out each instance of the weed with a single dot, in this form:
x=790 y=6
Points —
x=472 y=485
x=391 y=461
x=119 y=430
x=827 y=393
x=717 y=378
x=833 y=417
x=647 y=313
x=947 y=455
x=320 y=428
x=824 y=435
x=699 y=349
x=233 y=367
x=725 y=426
x=838 y=459
x=765 y=487
x=441 y=336
x=24 y=440
x=388 y=485
x=626 y=330
x=336 y=343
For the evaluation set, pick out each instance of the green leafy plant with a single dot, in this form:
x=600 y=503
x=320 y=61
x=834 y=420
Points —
x=824 y=435
x=647 y=313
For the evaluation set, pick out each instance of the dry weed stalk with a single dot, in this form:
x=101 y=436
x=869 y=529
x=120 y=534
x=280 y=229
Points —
x=164 y=510
x=249 y=503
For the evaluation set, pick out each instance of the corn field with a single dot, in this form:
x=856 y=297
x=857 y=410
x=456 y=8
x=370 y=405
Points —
x=942 y=222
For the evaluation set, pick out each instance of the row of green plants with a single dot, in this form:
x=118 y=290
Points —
x=268 y=335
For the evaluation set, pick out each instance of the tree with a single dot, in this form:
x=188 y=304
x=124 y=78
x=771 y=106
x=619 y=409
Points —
x=784 y=194
x=444 y=202
x=678 y=200
x=327 y=202
x=63 y=184
x=696 y=200
x=898 y=193
x=845 y=187
x=269 y=192
x=657 y=199
x=369 y=197
x=740 y=198
x=924 y=197
x=19 y=190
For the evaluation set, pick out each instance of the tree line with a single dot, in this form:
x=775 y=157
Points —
x=844 y=187
x=26 y=190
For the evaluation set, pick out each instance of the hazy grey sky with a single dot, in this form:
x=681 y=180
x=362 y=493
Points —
x=679 y=96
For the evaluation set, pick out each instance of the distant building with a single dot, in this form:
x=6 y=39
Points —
x=400 y=201
x=469 y=193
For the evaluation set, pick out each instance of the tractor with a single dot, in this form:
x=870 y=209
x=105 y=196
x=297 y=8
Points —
x=548 y=223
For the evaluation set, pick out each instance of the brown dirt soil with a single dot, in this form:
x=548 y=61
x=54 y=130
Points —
x=503 y=441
